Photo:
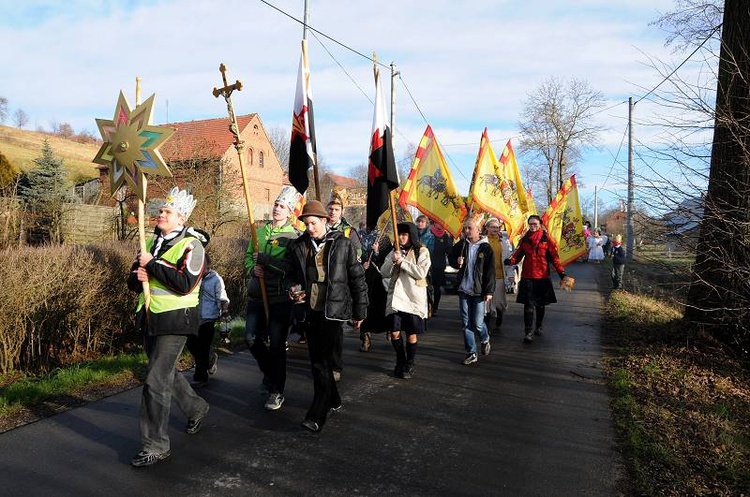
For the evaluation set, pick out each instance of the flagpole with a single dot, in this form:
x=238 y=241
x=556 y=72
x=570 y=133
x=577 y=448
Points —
x=239 y=145
x=306 y=19
x=142 y=209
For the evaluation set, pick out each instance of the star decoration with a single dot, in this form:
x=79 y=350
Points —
x=131 y=146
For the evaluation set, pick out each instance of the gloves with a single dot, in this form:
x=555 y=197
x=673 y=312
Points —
x=563 y=275
x=263 y=259
x=507 y=262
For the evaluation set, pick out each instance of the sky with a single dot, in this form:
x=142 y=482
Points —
x=463 y=66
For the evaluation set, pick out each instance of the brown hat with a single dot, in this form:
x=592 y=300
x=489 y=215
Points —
x=314 y=208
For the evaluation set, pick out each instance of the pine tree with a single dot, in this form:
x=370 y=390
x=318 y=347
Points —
x=47 y=196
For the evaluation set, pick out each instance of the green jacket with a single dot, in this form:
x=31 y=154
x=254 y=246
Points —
x=272 y=244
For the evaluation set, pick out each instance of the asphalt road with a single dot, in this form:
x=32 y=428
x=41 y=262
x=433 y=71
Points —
x=527 y=420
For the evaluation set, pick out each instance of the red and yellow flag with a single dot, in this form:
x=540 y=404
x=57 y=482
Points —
x=430 y=187
x=301 y=201
x=565 y=224
x=512 y=192
x=485 y=191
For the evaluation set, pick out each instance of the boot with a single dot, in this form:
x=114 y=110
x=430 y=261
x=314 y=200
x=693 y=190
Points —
x=411 y=352
x=366 y=341
x=398 y=346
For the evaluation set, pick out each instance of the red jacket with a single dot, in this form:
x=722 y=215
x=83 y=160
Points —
x=537 y=259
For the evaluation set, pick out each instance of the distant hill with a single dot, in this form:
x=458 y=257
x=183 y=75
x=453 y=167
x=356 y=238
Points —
x=22 y=147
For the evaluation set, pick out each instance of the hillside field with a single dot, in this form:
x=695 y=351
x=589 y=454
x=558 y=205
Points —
x=21 y=147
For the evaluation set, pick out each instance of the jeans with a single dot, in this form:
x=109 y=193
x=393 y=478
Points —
x=271 y=358
x=321 y=344
x=164 y=383
x=472 y=320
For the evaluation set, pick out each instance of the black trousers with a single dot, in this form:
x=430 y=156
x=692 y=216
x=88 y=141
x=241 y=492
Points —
x=321 y=345
x=271 y=358
x=200 y=346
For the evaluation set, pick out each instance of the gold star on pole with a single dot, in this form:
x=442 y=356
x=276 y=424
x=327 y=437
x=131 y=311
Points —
x=131 y=146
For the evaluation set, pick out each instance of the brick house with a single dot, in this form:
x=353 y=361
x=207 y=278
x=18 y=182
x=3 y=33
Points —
x=209 y=144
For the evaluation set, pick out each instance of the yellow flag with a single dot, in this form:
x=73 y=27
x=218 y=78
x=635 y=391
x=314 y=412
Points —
x=512 y=191
x=430 y=187
x=565 y=224
x=484 y=191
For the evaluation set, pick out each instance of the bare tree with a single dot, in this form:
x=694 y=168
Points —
x=280 y=139
x=719 y=296
x=20 y=118
x=557 y=124
x=65 y=130
x=691 y=22
x=3 y=109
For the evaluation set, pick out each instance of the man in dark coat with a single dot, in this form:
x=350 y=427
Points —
x=326 y=277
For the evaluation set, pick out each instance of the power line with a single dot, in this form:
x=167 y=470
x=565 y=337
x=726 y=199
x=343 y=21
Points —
x=342 y=68
x=325 y=35
x=710 y=35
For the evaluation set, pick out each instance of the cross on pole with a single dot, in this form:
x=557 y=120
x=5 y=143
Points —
x=239 y=145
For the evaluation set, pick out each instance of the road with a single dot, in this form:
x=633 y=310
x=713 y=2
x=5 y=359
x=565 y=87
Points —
x=527 y=420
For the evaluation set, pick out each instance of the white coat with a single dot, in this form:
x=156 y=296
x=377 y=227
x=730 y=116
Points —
x=407 y=289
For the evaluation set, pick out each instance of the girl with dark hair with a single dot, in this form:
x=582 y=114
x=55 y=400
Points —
x=406 y=305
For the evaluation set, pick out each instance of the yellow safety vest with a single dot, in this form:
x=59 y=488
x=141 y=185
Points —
x=162 y=298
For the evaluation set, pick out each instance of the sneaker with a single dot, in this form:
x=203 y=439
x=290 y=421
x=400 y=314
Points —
x=213 y=362
x=195 y=424
x=337 y=376
x=302 y=339
x=538 y=331
x=311 y=425
x=274 y=402
x=485 y=348
x=470 y=359
x=146 y=458
x=334 y=410
x=528 y=338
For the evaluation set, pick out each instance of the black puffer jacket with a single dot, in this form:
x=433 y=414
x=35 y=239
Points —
x=346 y=291
x=484 y=266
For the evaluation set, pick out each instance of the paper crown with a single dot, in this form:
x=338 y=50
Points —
x=180 y=201
x=338 y=196
x=289 y=196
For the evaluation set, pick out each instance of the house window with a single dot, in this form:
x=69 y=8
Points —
x=268 y=195
x=260 y=158
x=250 y=155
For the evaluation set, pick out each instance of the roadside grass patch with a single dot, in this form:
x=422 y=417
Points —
x=23 y=397
x=681 y=404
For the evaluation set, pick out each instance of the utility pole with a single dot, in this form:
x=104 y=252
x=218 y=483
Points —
x=596 y=209
x=631 y=194
x=394 y=73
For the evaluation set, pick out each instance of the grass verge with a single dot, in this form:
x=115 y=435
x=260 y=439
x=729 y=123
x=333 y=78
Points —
x=24 y=399
x=681 y=405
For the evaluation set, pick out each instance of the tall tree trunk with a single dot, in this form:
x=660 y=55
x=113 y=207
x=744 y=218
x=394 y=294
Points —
x=719 y=296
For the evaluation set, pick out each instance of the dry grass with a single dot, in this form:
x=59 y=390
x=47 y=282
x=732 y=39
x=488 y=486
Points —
x=681 y=403
x=22 y=147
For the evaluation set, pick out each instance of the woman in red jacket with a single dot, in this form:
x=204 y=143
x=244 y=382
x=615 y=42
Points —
x=535 y=288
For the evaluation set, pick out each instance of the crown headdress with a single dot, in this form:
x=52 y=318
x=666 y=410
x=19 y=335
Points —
x=180 y=201
x=289 y=196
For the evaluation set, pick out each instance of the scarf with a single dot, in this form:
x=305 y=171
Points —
x=438 y=231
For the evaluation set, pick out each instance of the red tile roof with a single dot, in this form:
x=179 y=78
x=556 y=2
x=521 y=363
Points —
x=206 y=138
x=343 y=181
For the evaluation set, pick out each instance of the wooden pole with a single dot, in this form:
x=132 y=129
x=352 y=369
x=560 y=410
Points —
x=142 y=208
x=239 y=145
